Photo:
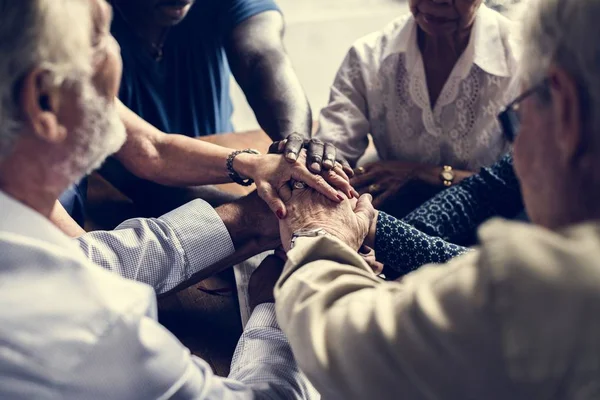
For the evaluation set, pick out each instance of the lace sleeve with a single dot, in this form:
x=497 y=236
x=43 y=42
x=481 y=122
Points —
x=455 y=213
x=344 y=122
x=402 y=248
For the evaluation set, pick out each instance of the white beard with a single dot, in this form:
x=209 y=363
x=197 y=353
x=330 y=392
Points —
x=100 y=135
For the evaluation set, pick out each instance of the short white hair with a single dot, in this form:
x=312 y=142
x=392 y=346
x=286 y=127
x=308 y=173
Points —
x=565 y=33
x=54 y=35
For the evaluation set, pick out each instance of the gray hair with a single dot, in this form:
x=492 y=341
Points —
x=564 y=32
x=54 y=35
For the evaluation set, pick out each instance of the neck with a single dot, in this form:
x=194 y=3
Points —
x=143 y=26
x=30 y=183
x=443 y=48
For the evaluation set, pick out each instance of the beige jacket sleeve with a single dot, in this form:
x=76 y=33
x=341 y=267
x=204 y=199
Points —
x=357 y=337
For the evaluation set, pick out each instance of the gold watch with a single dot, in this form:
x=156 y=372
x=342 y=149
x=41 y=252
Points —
x=447 y=175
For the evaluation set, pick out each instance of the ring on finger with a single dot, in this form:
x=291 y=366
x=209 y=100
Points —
x=360 y=170
x=298 y=185
x=374 y=188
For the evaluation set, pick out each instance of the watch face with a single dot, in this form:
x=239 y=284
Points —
x=447 y=175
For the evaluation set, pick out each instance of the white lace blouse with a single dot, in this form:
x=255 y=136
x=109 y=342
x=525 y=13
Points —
x=381 y=89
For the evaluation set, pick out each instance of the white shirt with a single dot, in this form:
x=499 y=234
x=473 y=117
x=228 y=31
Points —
x=72 y=330
x=381 y=89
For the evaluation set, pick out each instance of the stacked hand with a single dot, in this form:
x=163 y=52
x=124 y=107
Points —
x=321 y=156
x=271 y=172
x=348 y=220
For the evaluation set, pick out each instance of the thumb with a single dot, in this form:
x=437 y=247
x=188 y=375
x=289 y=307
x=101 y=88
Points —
x=269 y=195
x=364 y=210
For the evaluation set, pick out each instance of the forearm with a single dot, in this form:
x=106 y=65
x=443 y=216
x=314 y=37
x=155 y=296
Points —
x=404 y=248
x=277 y=97
x=456 y=212
x=340 y=320
x=170 y=159
x=162 y=252
x=183 y=161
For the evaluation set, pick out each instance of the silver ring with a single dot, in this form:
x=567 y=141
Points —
x=299 y=185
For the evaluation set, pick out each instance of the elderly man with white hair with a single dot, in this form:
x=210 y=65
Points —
x=68 y=328
x=516 y=319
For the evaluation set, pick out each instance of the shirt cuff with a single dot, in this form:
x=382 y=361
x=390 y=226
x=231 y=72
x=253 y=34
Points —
x=202 y=234
x=263 y=316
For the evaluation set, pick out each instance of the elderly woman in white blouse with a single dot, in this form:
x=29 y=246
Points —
x=428 y=88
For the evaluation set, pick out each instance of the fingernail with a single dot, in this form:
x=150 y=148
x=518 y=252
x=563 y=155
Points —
x=316 y=167
x=340 y=197
x=280 y=214
x=291 y=156
x=328 y=163
x=355 y=193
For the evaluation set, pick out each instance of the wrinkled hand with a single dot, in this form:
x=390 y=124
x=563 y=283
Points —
x=321 y=156
x=383 y=179
x=263 y=280
x=272 y=172
x=349 y=220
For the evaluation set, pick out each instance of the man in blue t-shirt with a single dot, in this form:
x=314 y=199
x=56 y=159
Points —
x=177 y=58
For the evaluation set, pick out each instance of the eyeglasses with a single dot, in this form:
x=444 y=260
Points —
x=510 y=120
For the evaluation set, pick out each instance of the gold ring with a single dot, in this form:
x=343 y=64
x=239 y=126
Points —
x=374 y=188
x=299 y=185
x=360 y=170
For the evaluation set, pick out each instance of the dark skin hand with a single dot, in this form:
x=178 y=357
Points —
x=383 y=179
x=263 y=280
x=264 y=72
x=321 y=157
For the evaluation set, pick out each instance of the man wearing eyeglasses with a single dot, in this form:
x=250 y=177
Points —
x=516 y=319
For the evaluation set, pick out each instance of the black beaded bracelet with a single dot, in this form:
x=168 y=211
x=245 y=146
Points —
x=232 y=172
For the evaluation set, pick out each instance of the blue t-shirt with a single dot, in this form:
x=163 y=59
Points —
x=187 y=92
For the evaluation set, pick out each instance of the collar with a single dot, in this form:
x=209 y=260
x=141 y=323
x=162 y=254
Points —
x=19 y=219
x=486 y=48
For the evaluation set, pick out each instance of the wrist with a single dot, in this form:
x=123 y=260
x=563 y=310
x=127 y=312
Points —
x=430 y=175
x=343 y=237
x=245 y=164
x=232 y=216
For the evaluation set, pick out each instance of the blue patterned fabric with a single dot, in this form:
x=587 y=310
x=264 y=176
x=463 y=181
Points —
x=434 y=232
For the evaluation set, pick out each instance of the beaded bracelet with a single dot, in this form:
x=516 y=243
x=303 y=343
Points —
x=233 y=173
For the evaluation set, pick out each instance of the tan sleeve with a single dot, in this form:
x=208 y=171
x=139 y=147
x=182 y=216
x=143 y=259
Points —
x=357 y=337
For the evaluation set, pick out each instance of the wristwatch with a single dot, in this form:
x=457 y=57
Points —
x=307 y=233
x=447 y=175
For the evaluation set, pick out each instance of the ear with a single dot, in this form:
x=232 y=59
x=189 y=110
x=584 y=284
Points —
x=40 y=103
x=566 y=105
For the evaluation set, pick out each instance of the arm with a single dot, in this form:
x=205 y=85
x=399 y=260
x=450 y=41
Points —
x=344 y=122
x=138 y=358
x=431 y=336
x=264 y=72
x=170 y=250
x=403 y=248
x=173 y=160
x=456 y=212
